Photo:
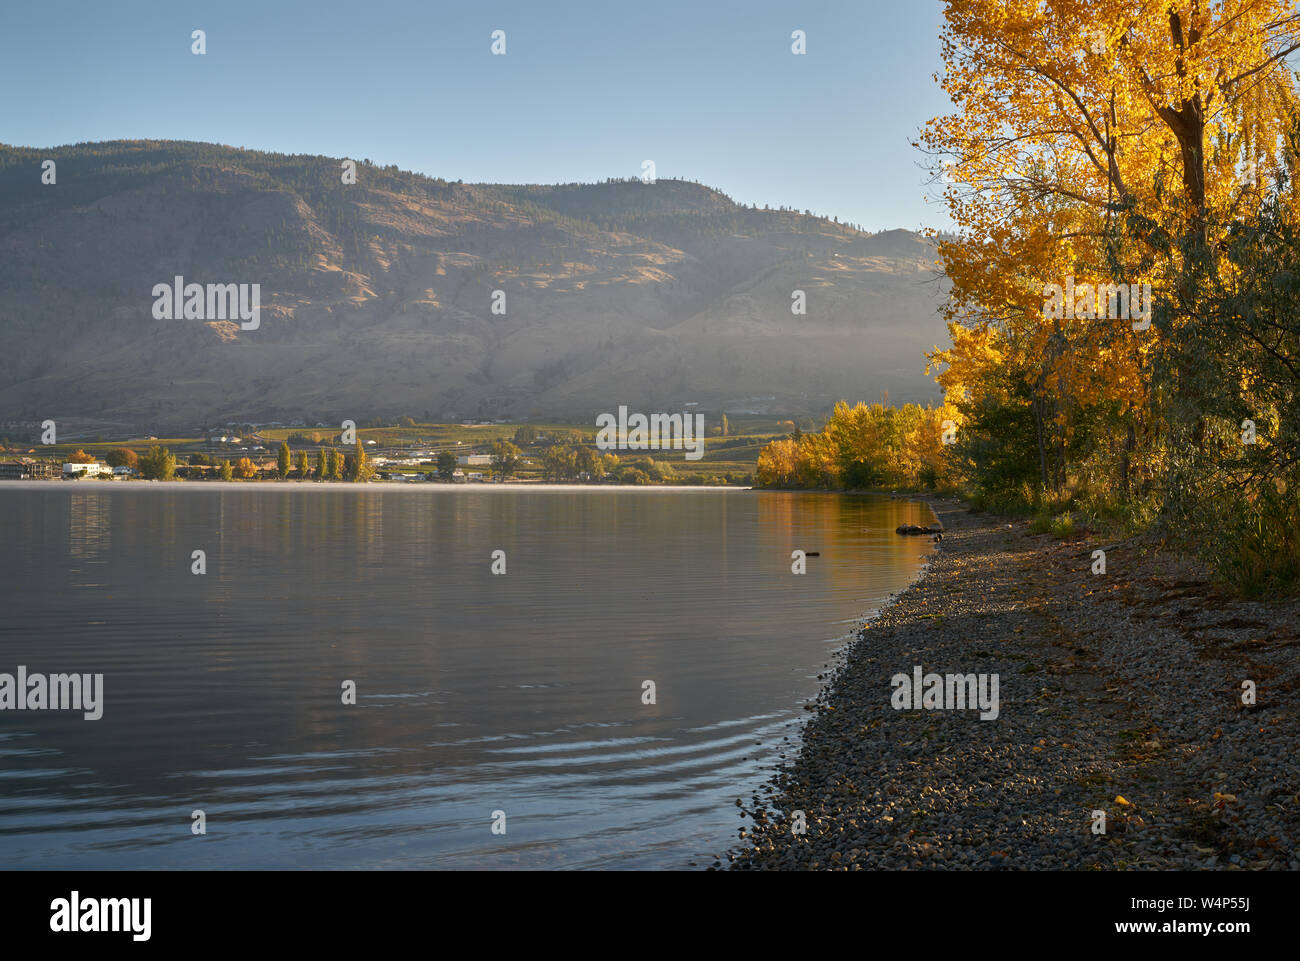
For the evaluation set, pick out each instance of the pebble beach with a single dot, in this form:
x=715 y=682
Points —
x=1122 y=739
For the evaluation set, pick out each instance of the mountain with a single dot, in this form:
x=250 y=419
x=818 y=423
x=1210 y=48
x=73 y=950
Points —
x=377 y=296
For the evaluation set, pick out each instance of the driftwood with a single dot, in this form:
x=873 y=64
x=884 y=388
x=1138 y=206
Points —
x=913 y=529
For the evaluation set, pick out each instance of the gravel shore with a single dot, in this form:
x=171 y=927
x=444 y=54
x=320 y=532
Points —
x=1119 y=692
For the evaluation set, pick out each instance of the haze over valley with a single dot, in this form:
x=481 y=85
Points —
x=377 y=297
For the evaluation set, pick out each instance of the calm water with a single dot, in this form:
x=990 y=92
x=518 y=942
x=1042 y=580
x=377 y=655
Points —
x=476 y=692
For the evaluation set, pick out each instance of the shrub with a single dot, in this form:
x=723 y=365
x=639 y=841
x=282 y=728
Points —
x=158 y=464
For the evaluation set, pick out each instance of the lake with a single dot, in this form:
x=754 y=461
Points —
x=482 y=700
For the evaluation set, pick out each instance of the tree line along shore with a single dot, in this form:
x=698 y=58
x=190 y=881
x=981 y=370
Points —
x=408 y=452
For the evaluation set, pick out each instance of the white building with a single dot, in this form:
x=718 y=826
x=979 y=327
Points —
x=86 y=470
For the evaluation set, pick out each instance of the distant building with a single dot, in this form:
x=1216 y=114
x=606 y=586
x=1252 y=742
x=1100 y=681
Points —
x=27 y=469
x=474 y=460
x=86 y=470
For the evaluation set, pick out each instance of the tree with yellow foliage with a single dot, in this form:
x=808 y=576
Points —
x=777 y=464
x=1102 y=142
x=1102 y=110
x=863 y=447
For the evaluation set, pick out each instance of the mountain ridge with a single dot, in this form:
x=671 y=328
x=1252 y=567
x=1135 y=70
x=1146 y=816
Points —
x=377 y=296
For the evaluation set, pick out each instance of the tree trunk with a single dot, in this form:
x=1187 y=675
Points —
x=1042 y=445
x=1187 y=124
x=1129 y=443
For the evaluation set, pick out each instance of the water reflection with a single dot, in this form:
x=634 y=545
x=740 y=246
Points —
x=476 y=692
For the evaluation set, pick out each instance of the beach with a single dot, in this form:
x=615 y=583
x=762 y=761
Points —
x=1121 y=739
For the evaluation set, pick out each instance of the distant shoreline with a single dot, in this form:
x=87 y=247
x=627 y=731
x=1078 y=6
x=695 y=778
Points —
x=139 y=485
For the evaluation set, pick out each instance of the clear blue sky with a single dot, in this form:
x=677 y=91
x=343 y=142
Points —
x=709 y=91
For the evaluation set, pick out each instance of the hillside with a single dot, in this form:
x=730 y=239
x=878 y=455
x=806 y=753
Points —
x=376 y=297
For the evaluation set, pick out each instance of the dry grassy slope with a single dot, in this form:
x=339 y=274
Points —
x=376 y=296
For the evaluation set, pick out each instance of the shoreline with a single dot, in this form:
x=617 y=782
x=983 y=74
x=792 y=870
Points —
x=1119 y=693
x=431 y=486
x=137 y=484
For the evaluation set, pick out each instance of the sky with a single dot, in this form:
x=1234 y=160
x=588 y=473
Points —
x=708 y=90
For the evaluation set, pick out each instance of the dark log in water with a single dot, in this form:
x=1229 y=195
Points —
x=913 y=529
